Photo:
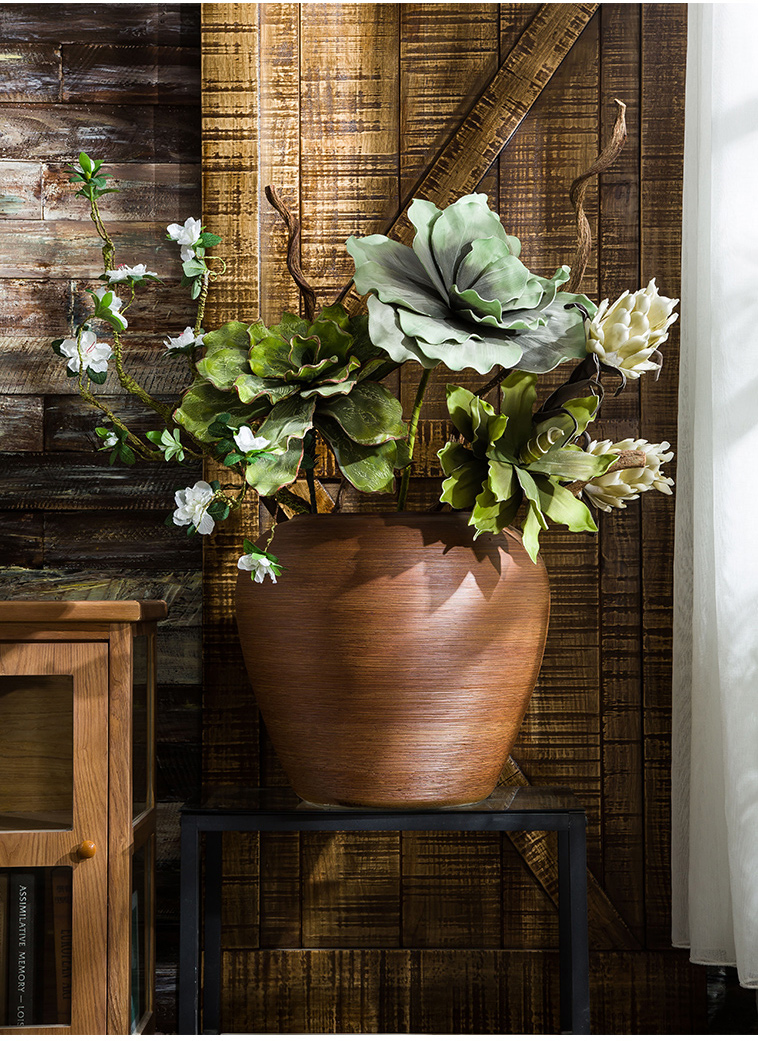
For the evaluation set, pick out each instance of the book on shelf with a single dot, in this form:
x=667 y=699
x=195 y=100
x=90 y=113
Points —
x=60 y=893
x=23 y=948
x=4 y=879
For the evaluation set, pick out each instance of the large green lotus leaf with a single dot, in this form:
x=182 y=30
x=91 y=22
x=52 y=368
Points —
x=461 y=224
x=422 y=215
x=202 y=403
x=561 y=506
x=290 y=325
x=561 y=338
x=464 y=484
x=270 y=358
x=452 y=455
x=490 y=514
x=369 y=468
x=386 y=333
x=370 y=414
x=518 y=394
x=491 y=269
x=394 y=273
x=454 y=343
x=332 y=339
x=250 y=387
x=268 y=473
x=288 y=419
x=572 y=464
x=233 y=334
x=223 y=365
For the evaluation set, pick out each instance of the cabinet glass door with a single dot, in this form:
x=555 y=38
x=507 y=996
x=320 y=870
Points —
x=53 y=835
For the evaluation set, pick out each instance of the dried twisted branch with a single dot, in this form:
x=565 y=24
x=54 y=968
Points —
x=579 y=189
x=293 y=250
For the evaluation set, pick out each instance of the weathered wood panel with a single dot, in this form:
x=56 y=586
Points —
x=661 y=131
x=31 y=72
x=20 y=191
x=147 y=191
x=67 y=481
x=619 y=538
x=48 y=248
x=124 y=74
x=144 y=133
x=170 y=24
x=130 y=74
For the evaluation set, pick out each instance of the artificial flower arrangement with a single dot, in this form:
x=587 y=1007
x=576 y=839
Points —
x=259 y=399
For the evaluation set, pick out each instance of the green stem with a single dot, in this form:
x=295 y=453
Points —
x=201 y=303
x=412 y=428
x=130 y=384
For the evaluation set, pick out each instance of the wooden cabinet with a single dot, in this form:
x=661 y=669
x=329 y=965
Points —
x=77 y=816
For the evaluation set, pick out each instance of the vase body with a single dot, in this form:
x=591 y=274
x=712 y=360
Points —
x=394 y=660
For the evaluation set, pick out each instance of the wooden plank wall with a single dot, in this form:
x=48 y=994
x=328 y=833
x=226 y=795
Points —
x=343 y=106
x=122 y=82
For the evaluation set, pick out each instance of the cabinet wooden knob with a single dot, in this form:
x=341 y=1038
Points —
x=86 y=850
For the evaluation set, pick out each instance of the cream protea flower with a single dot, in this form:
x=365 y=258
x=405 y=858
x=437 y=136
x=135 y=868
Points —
x=615 y=489
x=631 y=330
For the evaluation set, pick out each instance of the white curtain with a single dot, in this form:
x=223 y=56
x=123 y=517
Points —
x=715 y=726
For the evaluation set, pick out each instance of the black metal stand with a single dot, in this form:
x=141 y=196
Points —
x=507 y=809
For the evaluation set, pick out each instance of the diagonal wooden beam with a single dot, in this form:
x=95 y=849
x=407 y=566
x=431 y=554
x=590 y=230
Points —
x=495 y=116
x=608 y=930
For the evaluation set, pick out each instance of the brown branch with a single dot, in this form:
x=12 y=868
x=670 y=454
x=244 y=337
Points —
x=578 y=190
x=293 y=251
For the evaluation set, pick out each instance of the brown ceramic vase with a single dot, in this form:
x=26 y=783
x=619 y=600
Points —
x=394 y=660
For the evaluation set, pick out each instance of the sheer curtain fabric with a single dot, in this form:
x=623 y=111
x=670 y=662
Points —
x=715 y=726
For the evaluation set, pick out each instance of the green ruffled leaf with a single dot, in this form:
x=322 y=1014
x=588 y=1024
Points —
x=251 y=388
x=369 y=415
x=519 y=392
x=464 y=484
x=268 y=473
x=368 y=468
x=203 y=403
x=287 y=420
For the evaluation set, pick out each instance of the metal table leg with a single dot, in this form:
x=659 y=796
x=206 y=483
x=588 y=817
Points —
x=212 y=933
x=574 y=940
x=189 y=928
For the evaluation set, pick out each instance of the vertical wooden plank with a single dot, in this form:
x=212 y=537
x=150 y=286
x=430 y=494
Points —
x=664 y=30
x=559 y=742
x=230 y=48
x=349 y=185
x=279 y=25
x=619 y=537
x=448 y=54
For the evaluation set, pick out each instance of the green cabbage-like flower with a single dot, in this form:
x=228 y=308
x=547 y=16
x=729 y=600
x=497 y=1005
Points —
x=519 y=456
x=462 y=297
x=292 y=379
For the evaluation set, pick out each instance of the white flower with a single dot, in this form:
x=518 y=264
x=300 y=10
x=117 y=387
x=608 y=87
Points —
x=192 y=505
x=114 y=303
x=616 y=489
x=185 y=339
x=110 y=440
x=626 y=334
x=123 y=272
x=262 y=566
x=108 y=306
x=187 y=234
x=94 y=355
x=187 y=253
x=247 y=442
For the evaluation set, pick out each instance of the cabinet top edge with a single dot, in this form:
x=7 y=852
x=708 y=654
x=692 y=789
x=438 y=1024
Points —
x=82 y=610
